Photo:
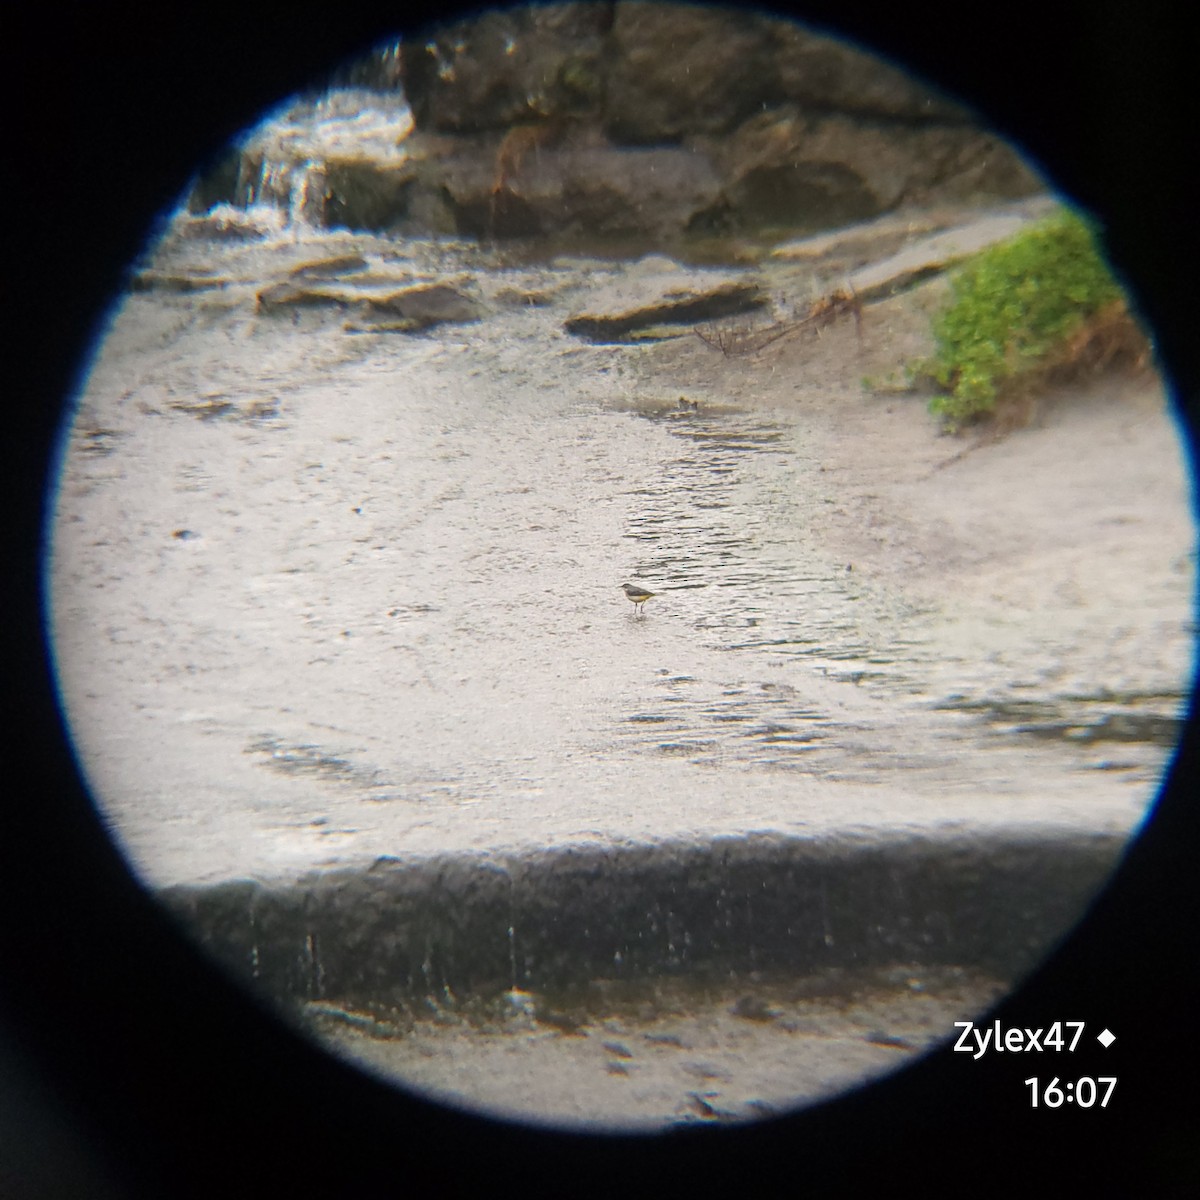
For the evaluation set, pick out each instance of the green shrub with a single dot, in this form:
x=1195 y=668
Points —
x=1013 y=305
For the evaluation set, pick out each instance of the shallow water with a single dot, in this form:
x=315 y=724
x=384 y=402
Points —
x=321 y=594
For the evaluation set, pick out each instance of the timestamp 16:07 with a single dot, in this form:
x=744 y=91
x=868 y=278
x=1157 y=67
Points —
x=1084 y=1092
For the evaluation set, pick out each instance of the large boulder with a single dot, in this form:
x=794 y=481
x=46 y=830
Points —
x=579 y=190
x=790 y=169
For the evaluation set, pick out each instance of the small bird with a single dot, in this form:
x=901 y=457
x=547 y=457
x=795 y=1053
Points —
x=638 y=595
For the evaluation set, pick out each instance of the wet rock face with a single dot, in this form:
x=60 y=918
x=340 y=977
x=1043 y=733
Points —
x=649 y=73
x=677 y=70
x=524 y=118
x=501 y=68
x=363 y=195
x=585 y=190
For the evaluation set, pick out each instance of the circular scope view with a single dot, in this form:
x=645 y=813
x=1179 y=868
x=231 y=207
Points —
x=625 y=564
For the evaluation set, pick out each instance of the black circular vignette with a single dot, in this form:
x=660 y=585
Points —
x=163 y=1078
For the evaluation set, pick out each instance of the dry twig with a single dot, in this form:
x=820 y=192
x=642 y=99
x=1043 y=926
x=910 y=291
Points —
x=734 y=342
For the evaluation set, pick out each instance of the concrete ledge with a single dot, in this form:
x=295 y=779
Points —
x=394 y=931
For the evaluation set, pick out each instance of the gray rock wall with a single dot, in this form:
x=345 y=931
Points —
x=668 y=120
x=647 y=124
x=649 y=73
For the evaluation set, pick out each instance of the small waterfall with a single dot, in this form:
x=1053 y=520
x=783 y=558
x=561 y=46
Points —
x=268 y=182
x=306 y=202
x=282 y=163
